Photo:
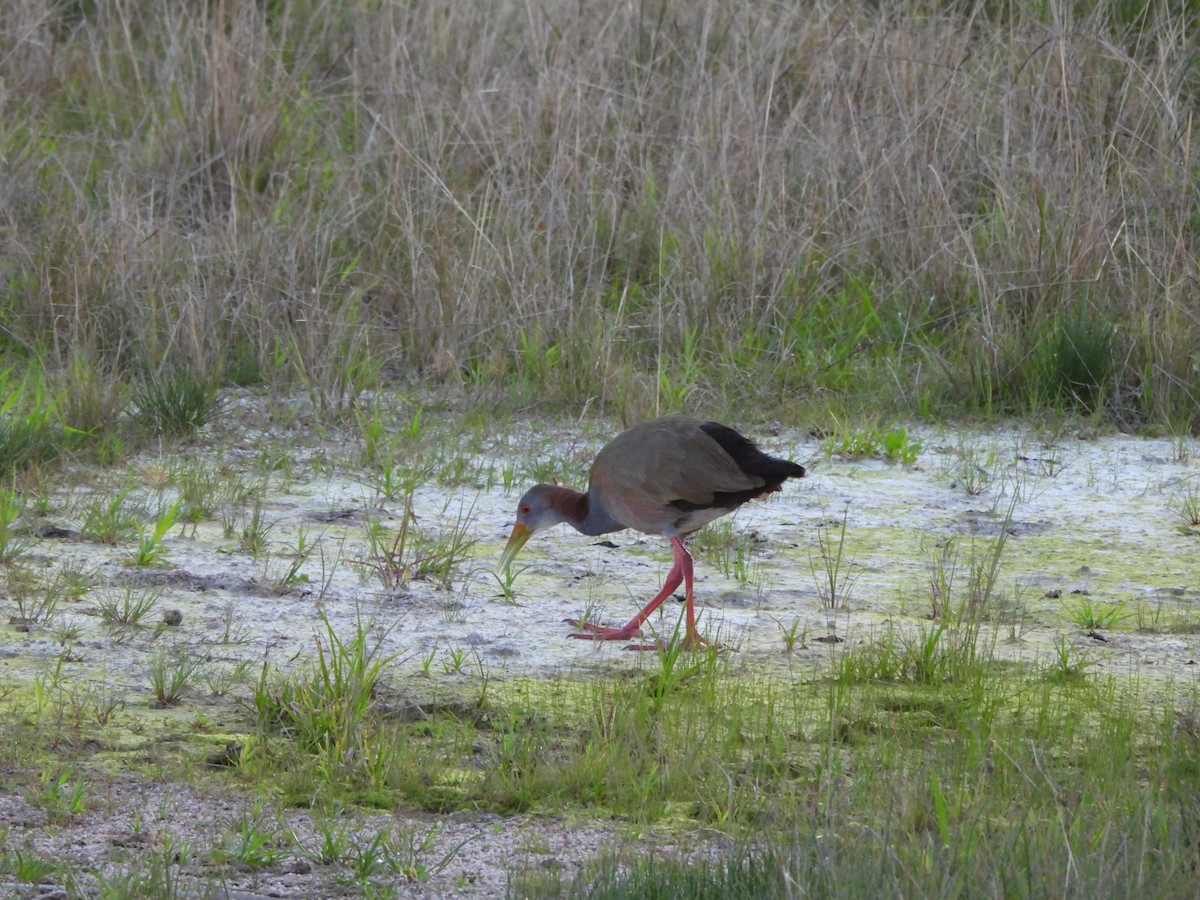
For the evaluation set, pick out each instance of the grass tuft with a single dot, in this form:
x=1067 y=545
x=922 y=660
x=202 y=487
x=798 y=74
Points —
x=125 y=608
x=1078 y=361
x=30 y=430
x=324 y=709
x=176 y=402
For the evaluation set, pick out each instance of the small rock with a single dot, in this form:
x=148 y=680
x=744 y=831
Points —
x=55 y=531
x=172 y=617
x=130 y=839
x=230 y=755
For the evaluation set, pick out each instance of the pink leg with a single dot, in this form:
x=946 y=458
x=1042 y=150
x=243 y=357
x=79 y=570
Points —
x=692 y=639
x=681 y=571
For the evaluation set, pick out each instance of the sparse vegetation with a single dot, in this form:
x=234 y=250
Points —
x=973 y=469
x=61 y=795
x=325 y=710
x=12 y=542
x=176 y=403
x=1088 y=614
x=394 y=558
x=207 y=490
x=853 y=443
x=792 y=635
x=37 y=594
x=252 y=841
x=157 y=873
x=29 y=867
x=111 y=517
x=125 y=608
x=898 y=446
x=253 y=531
x=730 y=549
x=1067 y=665
x=150 y=550
x=31 y=430
x=1186 y=505
x=282 y=578
x=173 y=672
x=832 y=569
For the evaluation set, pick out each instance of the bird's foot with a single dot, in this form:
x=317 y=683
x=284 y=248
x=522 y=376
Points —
x=696 y=641
x=693 y=643
x=593 y=632
x=656 y=646
x=693 y=640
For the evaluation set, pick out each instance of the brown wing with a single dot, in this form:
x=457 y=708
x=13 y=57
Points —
x=645 y=471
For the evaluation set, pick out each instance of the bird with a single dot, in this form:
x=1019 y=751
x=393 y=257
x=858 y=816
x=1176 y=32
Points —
x=668 y=476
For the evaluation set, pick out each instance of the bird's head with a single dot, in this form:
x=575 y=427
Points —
x=535 y=511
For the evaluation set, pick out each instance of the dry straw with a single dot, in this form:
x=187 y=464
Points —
x=913 y=200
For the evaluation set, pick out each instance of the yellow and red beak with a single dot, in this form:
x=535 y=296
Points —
x=516 y=540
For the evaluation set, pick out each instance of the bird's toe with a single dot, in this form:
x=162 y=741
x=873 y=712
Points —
x=593 y=632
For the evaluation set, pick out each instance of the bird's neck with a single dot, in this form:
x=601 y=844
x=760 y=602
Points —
x=583 y=512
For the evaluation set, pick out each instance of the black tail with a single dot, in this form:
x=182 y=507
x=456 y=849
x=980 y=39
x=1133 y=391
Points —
x=771 y=469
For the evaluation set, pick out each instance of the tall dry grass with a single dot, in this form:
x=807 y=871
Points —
x=637 y=205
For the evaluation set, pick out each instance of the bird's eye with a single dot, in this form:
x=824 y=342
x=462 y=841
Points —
x=526 y=509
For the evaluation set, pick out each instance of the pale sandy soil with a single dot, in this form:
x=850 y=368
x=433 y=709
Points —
x=132 y=816
x=1095 y=521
